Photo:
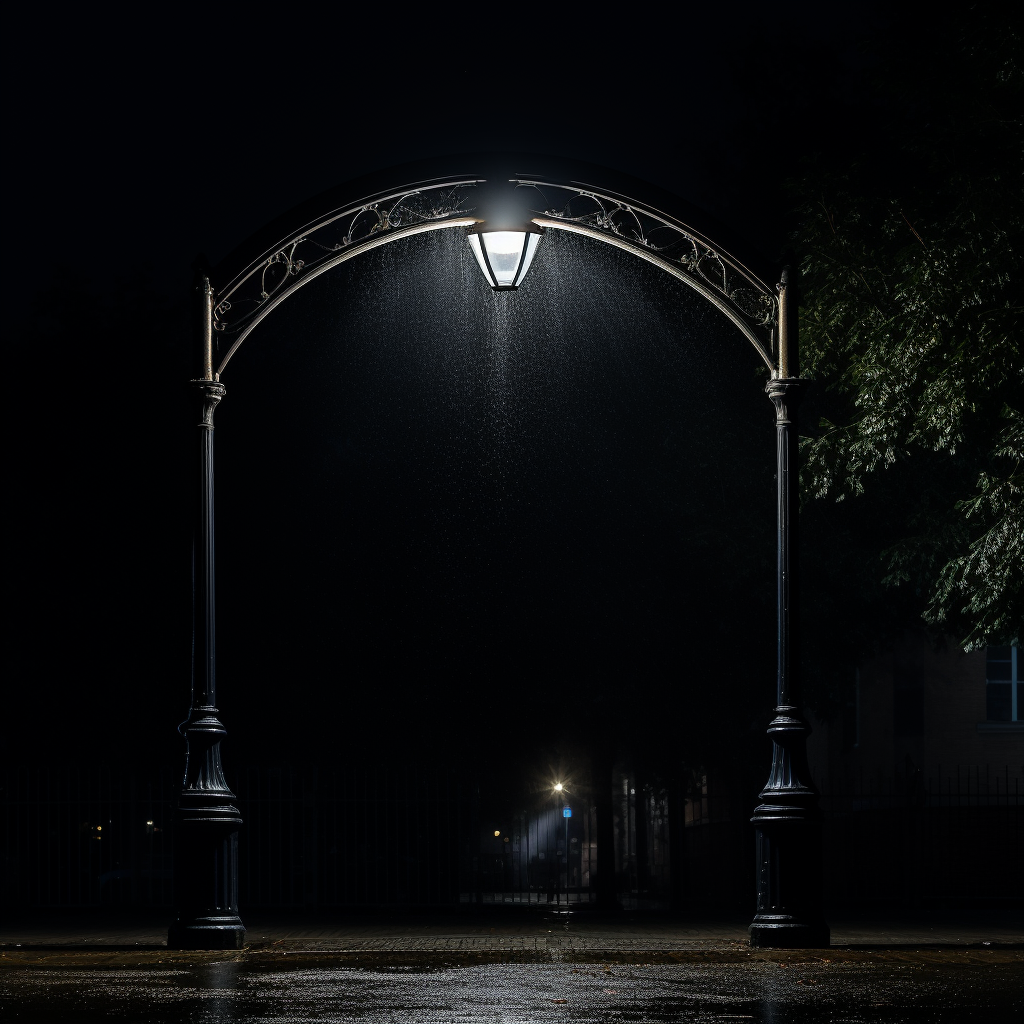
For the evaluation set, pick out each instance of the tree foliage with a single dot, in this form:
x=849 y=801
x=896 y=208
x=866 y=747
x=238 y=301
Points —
x=910 y=262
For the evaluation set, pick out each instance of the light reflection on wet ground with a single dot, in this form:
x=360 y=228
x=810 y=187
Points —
x=300 y=987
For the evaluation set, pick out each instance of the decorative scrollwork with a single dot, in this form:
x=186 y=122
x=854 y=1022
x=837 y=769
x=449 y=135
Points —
x=761 y=307
x=242 y=300
x=746 y=297
x=314 y=249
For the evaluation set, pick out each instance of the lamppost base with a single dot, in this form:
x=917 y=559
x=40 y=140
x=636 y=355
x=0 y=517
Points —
x=226 y=932
x=781 y=931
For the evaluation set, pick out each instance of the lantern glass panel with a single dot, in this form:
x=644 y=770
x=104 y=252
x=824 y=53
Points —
x=504 y=253
x=531 y=248
x=474 y=242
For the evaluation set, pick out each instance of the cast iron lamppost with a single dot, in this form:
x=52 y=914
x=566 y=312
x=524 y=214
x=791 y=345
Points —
x=504 y=241
x=788 y=821
x=563 y=869
x=207 y=822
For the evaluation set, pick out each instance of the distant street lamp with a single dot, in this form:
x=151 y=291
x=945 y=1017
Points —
x=566 y=815
x=560 y=792
x=504 y=237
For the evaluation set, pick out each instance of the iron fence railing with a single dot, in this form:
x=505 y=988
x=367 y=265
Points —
x=902 y=839
x=910 y=838
x=423 y=835
x=99 y=837
x=540 y=857
x=86 y=837
x=357 y=836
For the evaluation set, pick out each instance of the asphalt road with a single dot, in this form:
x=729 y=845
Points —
x=283 y=982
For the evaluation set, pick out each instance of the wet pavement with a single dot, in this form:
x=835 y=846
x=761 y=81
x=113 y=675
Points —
x=505 y=971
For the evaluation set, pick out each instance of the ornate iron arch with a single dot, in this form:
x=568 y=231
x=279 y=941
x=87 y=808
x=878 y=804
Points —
x=787 y=822
x=239 y=304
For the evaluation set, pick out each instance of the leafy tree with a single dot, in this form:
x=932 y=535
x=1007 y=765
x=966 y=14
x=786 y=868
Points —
x=910 y=262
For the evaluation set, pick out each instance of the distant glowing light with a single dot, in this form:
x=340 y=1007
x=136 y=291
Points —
x=559 y=787
x=496 y=832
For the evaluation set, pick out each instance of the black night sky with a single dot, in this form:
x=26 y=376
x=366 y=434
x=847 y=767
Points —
x=407 y=561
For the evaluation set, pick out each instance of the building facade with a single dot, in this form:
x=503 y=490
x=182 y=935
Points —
x=927 y=713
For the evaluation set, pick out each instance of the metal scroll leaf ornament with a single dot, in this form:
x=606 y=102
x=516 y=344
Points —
x=749 y=300
x=761 y=308
x=261 y=282
x=754 y=301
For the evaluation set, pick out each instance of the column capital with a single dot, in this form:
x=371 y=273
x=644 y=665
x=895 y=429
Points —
x=208 y=393
x=785 y=393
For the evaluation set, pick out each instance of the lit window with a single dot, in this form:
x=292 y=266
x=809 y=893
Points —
x=1004 y=691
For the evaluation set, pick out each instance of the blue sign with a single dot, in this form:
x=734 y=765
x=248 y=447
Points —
x=566 y=812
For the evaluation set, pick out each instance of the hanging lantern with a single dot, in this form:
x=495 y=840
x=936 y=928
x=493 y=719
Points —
x=504 y=256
